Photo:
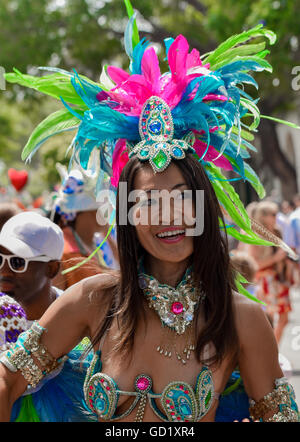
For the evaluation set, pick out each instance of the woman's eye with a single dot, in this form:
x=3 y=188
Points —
x=185 y=195
x=148 y=202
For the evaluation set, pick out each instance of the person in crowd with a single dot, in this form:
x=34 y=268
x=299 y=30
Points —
x=282 y=218
x=273 y=272
x=7 y=210
x=13 y=321
x=292 y=236
x=31 y=247
x=76 y=211
x=246 y=266
x=169 y=328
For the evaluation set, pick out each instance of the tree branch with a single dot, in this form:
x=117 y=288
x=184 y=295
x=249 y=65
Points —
x=198 y=6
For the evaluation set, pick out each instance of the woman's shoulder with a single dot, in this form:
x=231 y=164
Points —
x=90 y=288
x=251 y=321
x=100 y=283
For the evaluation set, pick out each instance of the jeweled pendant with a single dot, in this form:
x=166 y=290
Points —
x=156 y=129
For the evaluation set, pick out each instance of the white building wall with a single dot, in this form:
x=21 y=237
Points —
x=283 y=134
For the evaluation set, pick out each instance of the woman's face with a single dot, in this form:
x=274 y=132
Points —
x=164 y=216
x=269 y=219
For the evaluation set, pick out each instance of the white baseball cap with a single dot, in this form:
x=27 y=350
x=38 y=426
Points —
x=29 y=234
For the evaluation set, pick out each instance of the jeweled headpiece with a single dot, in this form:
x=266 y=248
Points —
x=156 y=130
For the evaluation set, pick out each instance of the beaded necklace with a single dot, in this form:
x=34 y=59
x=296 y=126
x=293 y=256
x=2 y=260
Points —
x=175 y=308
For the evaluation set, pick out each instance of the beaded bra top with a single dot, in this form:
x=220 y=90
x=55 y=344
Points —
x=179 y=400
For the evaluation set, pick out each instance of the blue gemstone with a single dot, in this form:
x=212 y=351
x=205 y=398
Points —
x=177 y=152
x=188 y=317
x=100 y=404
x=160 y=146
x=144 y=152
x=155 y=127
x=185 y=409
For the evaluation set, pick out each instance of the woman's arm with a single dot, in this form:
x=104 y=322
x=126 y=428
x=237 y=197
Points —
x=279 y=256
x=74 y=315
x=257 y=253
x=258 y=360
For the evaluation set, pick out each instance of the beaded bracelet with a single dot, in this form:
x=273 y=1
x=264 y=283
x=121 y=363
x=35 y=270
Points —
x=280 y=401
x=18 y=357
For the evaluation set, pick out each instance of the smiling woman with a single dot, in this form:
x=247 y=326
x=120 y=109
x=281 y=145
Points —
x=169 y=328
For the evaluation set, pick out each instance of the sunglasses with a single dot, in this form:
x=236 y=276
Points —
x=19 y=265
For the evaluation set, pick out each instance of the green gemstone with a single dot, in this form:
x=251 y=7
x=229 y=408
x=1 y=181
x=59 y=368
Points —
x=207 y=399
x=160 y=159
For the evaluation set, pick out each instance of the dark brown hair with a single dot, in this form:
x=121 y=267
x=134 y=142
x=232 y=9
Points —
x=211 y=266
x=7 y=211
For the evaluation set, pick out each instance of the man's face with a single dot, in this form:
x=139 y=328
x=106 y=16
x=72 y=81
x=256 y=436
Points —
x=23 y=287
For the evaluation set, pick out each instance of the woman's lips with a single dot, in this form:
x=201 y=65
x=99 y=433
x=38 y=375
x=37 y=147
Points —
x=6 y=286
x=173 y=238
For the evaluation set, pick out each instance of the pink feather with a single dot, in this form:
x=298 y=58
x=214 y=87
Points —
x=193 y=59
x=214 y=97
x=151 y=69
x=117 y=75
x=211 y=155
x=119 y=160
x=177 y=57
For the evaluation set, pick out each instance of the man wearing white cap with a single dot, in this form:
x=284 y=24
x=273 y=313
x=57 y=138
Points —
x=31 y=247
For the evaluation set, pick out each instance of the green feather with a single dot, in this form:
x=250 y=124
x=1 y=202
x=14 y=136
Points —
x=27 y=412
x=229 y=197
x=56 y=85
x=234 y=40
x=244 y=133
x=254 y=112
x=248 y=239
x=278 y=120
x=239 y=281
x=55 y=123
x=243 y=53
x=130 y=12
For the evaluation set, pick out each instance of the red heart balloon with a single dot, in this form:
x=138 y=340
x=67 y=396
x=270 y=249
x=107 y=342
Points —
x=18 y=178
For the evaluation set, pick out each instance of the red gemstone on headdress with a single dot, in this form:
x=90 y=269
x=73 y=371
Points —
x=177 y=308
x=142 y=383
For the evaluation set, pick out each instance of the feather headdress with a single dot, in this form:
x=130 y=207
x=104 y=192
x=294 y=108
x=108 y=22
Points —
x=205 y=95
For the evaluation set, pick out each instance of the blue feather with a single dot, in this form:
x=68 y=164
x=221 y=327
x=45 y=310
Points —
x=61 y=398
x=138 y=52
x=240 y=65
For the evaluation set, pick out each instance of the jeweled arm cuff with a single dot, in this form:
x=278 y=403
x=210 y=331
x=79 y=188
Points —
x=18 y=357
x=277 y=406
